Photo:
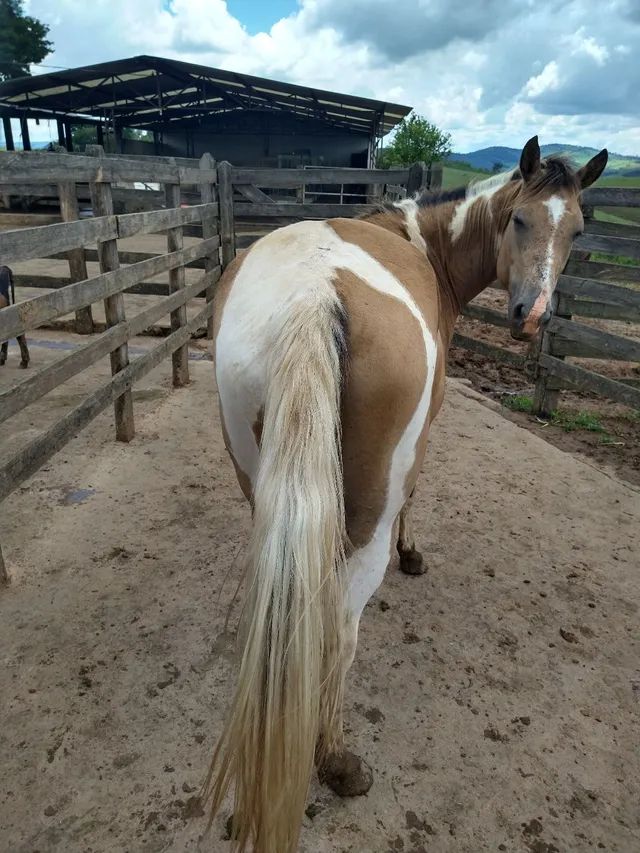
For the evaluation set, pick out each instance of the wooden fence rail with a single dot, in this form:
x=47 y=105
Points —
x=33 y=168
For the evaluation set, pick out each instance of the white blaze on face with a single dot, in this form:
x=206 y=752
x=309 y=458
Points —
x=556 y=206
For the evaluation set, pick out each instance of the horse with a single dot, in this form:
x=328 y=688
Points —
x=8 y=297
x=330 y=342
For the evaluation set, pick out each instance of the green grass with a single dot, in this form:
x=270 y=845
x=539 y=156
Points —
x=621 y=260
x=628 y=215
x=570 y=421
x=603 y=215
x=453 y=177
x=607 y=440
x=566 y=420
x=619 y=181
x=518 y=403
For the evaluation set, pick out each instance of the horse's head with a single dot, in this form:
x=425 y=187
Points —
x=545 y=219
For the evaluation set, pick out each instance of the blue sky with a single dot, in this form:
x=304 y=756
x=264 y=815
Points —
x=491 y=72
x=260 y=16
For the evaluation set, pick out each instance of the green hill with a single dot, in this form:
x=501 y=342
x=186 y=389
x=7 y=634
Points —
x=488 y=158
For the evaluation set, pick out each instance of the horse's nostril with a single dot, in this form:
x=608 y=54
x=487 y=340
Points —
x=519 y=312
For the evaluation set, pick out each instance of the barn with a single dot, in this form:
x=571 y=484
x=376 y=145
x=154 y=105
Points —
x=186 y=110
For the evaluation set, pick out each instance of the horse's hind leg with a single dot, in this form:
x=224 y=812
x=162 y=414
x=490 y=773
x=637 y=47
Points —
x=344 y=771
x=411 y=561
x=3 y=352
x=24 y=351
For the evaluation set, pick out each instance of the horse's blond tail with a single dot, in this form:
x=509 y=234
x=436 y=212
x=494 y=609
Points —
x=289 y=694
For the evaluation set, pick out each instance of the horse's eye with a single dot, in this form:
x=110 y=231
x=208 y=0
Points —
x=518 y=222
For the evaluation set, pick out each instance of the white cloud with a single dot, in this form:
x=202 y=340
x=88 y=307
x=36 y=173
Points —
x=587 y=45
x=494 y=75
x=547 y=79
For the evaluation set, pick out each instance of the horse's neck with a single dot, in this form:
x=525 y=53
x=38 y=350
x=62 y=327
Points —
x=464 y=254
x=463 y=268
x=464 y=259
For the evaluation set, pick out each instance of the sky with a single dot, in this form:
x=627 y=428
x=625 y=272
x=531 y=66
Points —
x=490 y=72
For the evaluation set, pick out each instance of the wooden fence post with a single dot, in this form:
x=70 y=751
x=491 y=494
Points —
x=175 y=243
x=227 y=224
x=435 y=181
x=102 y=203
x=209 y=195
x=418 y=179
x=547 y=389
x=76 y=257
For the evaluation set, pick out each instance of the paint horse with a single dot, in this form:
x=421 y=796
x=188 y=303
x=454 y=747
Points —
x=8 y=297
x=330 y=347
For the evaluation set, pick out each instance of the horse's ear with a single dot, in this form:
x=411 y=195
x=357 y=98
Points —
x=530 y=159
x=592 y=170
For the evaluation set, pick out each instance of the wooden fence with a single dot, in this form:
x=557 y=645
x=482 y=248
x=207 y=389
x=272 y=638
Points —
x=103 y=231
x=181 y=197
x=230 y=207
x=253 y=201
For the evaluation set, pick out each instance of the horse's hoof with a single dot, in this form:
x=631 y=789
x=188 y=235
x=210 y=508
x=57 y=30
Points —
x=412 y=562
x=24 y=364
x=347 y=774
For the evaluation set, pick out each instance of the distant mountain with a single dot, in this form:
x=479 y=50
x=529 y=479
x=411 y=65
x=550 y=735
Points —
x=507 y=158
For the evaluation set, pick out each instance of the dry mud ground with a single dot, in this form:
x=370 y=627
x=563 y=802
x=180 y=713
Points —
x=497 y=697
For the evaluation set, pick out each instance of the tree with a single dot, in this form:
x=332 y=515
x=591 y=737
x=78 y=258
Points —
x=498 y=167
x=83 y=134
x=415 y=140
x=23 y=40
x=137 y=135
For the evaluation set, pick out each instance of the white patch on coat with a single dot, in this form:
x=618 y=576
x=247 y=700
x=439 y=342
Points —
x=475 y=191
x=410 y=209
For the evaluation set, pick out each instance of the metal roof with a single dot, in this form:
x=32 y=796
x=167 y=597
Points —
x=148 y=92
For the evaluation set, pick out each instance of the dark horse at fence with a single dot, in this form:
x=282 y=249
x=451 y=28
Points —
x=8 y=297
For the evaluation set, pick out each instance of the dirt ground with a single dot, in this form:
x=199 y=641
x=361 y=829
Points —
x=616 y=443
x=497 y=697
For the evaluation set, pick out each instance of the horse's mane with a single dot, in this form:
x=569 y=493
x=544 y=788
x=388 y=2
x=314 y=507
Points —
x=431 y=198
x=556 y=172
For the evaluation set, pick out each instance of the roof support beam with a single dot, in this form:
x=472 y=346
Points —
x=8 y=133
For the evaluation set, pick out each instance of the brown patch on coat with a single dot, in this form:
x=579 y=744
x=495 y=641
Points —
x=393 y=350
x=381 y=392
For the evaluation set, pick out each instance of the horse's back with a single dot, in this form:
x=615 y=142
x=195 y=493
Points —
x=389 y=294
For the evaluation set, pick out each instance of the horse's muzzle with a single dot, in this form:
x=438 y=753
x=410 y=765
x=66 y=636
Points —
x=528 y=314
